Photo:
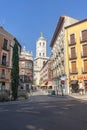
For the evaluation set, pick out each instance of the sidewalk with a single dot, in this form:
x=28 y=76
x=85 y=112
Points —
x=79 y=96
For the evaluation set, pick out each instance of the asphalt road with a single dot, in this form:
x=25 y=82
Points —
x=42 y=112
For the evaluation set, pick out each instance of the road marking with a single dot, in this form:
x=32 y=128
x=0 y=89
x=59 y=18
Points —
x=4 y=110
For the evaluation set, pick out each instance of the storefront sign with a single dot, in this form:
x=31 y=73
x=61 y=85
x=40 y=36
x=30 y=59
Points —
x=78 y=77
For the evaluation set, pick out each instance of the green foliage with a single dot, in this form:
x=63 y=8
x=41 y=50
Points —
x=15 y=70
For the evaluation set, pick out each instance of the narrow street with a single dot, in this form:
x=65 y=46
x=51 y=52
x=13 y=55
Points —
x=44 y=112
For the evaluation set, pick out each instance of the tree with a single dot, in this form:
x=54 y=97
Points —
x=15 y=70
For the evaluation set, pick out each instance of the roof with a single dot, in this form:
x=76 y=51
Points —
x=41 y=37
x=4 y=32
x=60 y=23
x=59 y=26
x=84 y=20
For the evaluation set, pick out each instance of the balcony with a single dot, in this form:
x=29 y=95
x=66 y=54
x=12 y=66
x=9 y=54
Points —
x=3 y=77
x=4 y=64
x=5 y=48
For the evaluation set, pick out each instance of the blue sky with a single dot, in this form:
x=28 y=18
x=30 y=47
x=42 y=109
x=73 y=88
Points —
x=25 y=19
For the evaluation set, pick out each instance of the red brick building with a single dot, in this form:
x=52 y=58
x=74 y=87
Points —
x=6 y=50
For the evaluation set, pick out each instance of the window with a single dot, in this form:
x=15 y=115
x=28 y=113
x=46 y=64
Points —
x=5 y=44
x=85 y=65
x=3 y=73
x=4 y=57
x=43 y=62
x=27 y=64
x=23 y=64
x=84 y=35
x=39 y=54
x=73 y=52
x=43 y=43
x=72 y=39
x=84 y=50
x=40 y=43
x=73 y=65
x=43 y=54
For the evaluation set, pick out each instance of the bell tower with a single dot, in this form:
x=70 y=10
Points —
x=41 y=46
x=41 y=57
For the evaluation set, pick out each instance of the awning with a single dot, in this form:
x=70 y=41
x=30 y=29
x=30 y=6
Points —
x=73 y=82
x=49 y=82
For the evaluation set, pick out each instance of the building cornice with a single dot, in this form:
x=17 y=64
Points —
x=84 y=20
x=45 y=58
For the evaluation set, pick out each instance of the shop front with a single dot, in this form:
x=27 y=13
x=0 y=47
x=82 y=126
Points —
x=74 y=88
x=78 y=83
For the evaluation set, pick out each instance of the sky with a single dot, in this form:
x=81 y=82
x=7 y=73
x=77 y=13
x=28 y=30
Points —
x=25 y=19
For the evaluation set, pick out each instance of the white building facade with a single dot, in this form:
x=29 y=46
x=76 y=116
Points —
x=58 y=52
x=41 y=58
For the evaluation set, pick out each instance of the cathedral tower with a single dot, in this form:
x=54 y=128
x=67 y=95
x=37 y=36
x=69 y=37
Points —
x=41 y=57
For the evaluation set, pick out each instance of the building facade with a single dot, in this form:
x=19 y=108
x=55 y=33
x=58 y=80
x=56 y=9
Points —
x=58 y=51
x=46 y=74
x=6 y=50
x=26 y=70
x=76 y=56
x=41 y=58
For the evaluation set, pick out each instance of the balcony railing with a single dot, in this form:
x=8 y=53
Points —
x=4 y=64
x=3 y=77
x=5 y=48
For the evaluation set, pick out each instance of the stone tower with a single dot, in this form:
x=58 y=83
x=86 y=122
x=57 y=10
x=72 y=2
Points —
x=41 y=57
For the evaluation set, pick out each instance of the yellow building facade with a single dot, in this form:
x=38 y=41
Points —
x=76 y=56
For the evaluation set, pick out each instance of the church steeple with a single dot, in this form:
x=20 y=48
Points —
x=41 y=34
x=41 y=46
